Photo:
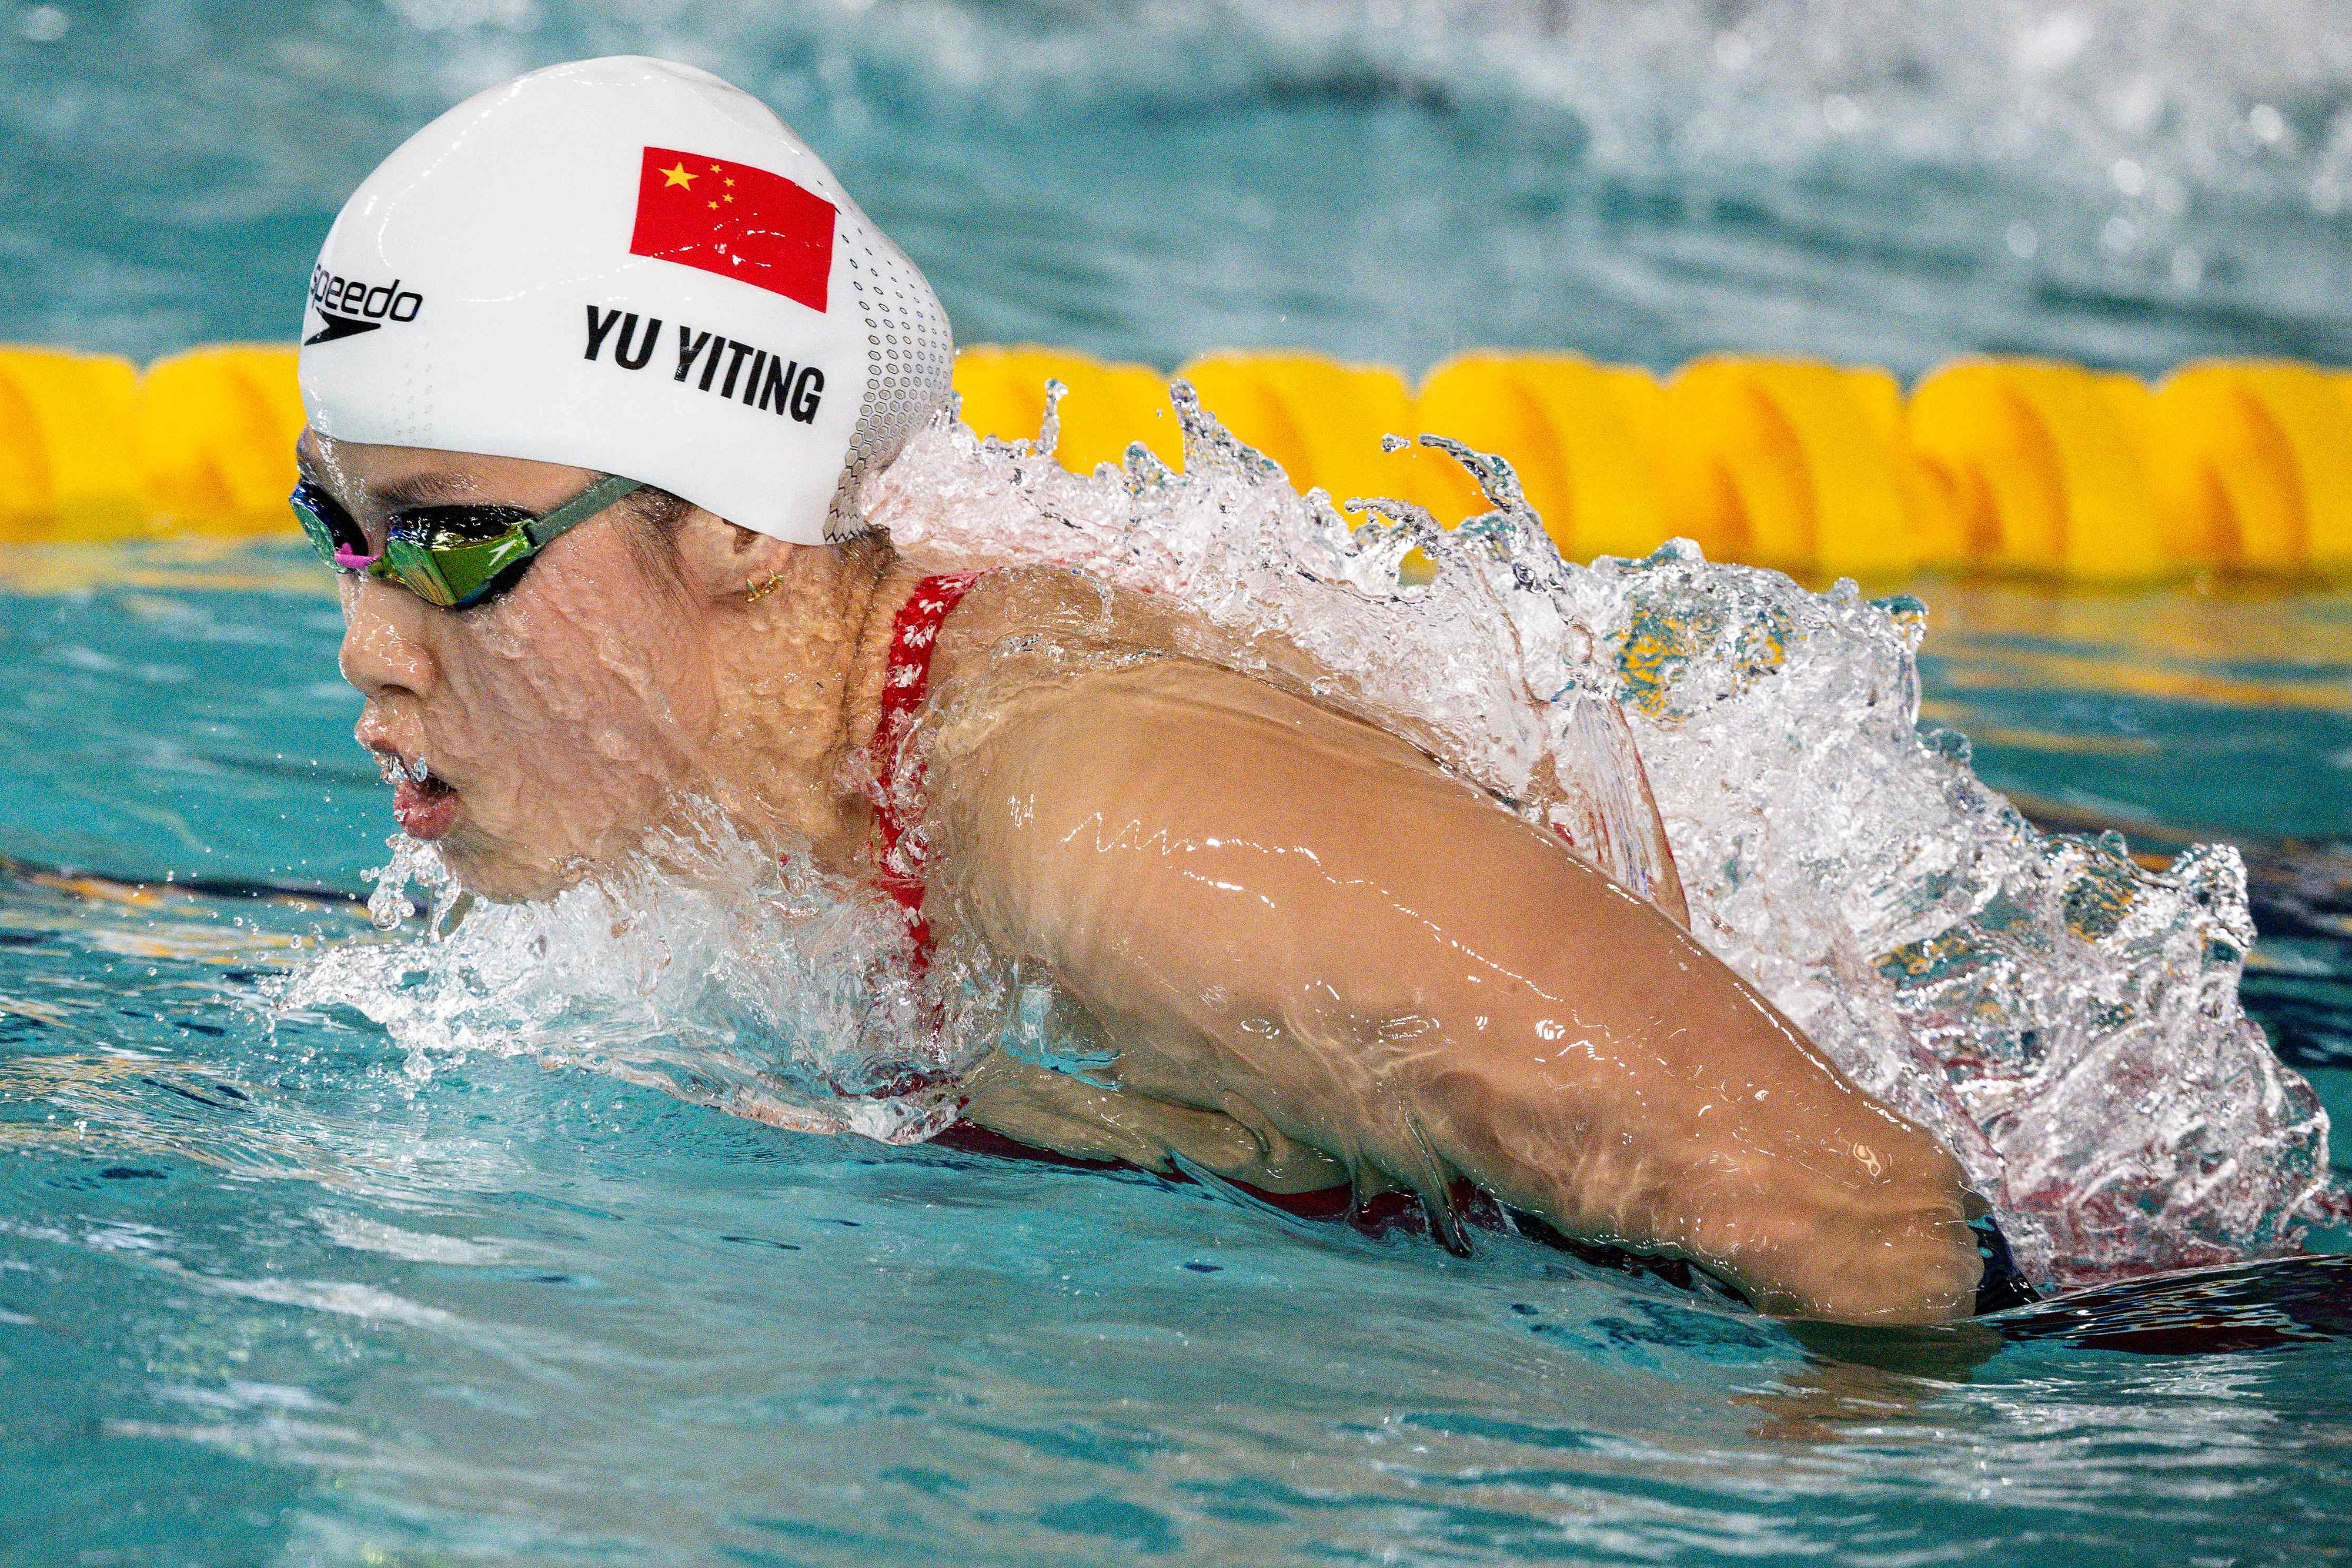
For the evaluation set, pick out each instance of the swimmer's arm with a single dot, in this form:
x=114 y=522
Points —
x=1282 y=904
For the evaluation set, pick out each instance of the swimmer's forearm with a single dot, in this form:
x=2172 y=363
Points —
x=1673 y=1113
x=1669 y=1107
x=1788 y=1226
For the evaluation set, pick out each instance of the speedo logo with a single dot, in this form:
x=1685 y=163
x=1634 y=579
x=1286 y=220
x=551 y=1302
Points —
x=350 y=305
x=768 y=381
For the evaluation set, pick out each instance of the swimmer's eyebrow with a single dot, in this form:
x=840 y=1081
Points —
x=422 y=490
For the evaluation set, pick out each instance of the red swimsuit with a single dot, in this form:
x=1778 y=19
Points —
x=906 y=680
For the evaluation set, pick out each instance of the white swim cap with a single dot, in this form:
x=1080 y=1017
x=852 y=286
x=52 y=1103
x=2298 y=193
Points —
x=628 y=265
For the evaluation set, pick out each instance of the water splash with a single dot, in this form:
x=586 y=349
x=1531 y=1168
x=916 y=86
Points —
x=1476 y=665
x=703 y=967
x=2064 y=1019
x=413 y=863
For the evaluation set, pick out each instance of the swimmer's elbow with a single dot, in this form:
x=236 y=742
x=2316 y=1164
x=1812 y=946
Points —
x=1902 y=1258
x=1893 y=1297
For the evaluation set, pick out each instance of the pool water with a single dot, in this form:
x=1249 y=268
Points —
x=1888 y=182
x=269 y=1293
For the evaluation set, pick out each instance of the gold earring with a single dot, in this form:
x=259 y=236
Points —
x=754 y=593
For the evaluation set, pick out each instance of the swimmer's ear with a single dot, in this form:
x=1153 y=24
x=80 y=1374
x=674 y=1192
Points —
x=717 y=560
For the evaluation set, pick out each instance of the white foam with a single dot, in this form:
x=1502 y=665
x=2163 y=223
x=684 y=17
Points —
x=704 y=966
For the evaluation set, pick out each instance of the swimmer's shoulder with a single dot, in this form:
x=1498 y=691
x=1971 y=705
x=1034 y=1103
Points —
x=1013 y=607
x=1029 y=634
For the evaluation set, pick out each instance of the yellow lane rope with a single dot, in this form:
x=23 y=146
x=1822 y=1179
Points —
x=2015 y=466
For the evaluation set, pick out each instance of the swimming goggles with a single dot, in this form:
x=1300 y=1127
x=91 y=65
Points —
x=452 y=555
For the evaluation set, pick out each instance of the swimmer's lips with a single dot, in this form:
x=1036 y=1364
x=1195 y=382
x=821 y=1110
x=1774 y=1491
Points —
x=426 y=810
x=427 y=807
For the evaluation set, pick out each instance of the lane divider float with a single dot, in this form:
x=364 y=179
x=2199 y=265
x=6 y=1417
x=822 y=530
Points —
x=2016 y=466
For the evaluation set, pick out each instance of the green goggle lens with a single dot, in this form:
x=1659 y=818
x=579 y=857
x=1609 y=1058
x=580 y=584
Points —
x=452 y=557
x=322 y=531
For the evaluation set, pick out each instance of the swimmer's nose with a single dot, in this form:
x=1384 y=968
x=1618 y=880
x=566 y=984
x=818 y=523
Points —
x=385 y=646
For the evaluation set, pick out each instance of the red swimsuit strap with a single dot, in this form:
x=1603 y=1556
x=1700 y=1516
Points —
x=906 y=680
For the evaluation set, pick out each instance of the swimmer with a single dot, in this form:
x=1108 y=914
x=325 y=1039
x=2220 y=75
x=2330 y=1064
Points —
x=594 y=366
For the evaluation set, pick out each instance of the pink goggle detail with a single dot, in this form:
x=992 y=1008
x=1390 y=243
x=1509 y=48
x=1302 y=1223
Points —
x=349 y=562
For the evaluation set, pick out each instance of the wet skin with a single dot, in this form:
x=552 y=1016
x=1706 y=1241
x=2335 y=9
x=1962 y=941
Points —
x=1318 y=956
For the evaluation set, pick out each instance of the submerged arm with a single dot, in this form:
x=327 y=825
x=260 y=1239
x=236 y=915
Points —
x=1276 y=907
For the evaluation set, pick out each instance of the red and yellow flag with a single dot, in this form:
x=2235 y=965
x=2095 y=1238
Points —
x=736 y=221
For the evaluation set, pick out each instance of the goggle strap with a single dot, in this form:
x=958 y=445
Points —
x=544 y=531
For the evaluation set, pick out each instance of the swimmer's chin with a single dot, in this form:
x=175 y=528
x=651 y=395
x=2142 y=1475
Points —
x=492 y=866
x=492 y=873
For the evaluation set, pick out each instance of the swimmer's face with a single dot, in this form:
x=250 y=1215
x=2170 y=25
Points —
x=555 y=723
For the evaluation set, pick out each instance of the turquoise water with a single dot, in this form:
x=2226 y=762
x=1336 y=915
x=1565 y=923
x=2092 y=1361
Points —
x=266 y=1295
x=271 y=1292
x=1887 y=181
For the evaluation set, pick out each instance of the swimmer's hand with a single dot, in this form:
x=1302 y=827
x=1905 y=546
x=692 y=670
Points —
x=1300 y=920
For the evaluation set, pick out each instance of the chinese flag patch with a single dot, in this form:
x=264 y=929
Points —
x=736 y=221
